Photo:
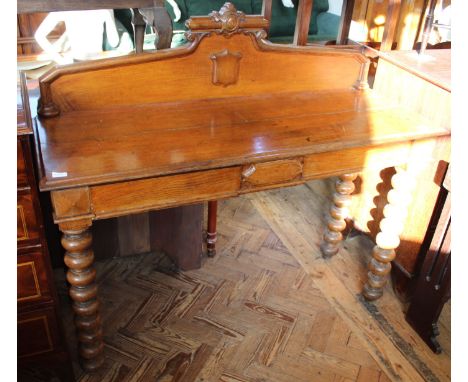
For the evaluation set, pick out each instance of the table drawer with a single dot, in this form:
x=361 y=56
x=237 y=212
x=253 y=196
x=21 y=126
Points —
x=27 y=225
x=149 y=194
x=38 y=333
x=22 y=175
x=270 y=174
x=32 y=285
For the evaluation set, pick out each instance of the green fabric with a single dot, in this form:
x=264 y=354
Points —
x=310 y=38
x=178 y=39
x=319 y=6
x=122 y=31
x=204 y=7
x=283 y=19
x=179 y=25
x=124 y=16
x=323 y=25
x=328 y=24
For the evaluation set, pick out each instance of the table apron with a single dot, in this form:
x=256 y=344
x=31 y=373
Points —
x=129 y=197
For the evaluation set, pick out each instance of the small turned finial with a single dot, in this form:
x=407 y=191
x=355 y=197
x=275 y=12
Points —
x=45 y=106
x=362 y=82
x=47 y=110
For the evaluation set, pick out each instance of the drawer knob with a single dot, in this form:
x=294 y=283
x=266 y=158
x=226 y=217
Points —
x=249 y=171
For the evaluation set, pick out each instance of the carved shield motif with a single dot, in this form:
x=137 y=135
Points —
x=225 y=67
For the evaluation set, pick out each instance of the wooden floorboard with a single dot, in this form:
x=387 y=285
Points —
x=266 y=308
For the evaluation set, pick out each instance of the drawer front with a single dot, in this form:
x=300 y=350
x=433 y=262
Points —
x=266 y=175
x=157 y=193
x=38 y=333
x=27 y=227
x=22 y=176
x=32 y=285
x=333 y=163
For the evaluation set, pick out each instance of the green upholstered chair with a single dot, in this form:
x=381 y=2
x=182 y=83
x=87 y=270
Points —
x=323 y=25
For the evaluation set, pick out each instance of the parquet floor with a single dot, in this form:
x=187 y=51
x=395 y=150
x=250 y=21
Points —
x=266 y=308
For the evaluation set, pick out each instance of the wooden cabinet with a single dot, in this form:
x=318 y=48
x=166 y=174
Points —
x=40 y=339
x=432 y=288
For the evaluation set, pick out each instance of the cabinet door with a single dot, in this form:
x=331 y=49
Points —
x=27 y=223
x=22 y=176
x=32 y=284
x=37 y=333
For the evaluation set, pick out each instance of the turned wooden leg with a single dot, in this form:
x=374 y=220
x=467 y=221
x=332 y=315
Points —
x=338 y=212
x=388 y=239
x=81 y=275
x=211 y=229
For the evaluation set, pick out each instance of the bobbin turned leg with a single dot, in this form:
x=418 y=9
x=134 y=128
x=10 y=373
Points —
x=338 y=212
x=211 y=229
x=389 y=237
x=81 y=275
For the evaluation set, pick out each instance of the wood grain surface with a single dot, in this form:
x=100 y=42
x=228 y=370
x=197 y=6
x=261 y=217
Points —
x=185 y=73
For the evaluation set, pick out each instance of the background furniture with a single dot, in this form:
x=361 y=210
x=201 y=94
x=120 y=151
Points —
x=432 y=289
x=323 y=25
x=385 y=24
x=40 y=337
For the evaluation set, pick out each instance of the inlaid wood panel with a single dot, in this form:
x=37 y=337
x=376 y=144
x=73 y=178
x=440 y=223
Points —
x=37 y=333
x=28 y=284
x=32 y=283
x=27 y=224
x=22 y=176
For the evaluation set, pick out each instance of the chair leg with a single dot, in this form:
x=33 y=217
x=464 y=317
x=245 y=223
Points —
x=211 y=229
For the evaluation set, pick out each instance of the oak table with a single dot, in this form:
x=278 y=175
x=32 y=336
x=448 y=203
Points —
x=227 y=114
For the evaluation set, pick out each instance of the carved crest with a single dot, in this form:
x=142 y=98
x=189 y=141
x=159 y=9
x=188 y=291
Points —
x=229 y=17
x=225 y=67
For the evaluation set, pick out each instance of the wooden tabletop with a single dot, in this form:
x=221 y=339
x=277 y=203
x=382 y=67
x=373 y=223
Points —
x=228 y=98
x=93 y=147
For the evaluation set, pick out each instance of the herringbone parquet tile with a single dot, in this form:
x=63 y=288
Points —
x=250 y=314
